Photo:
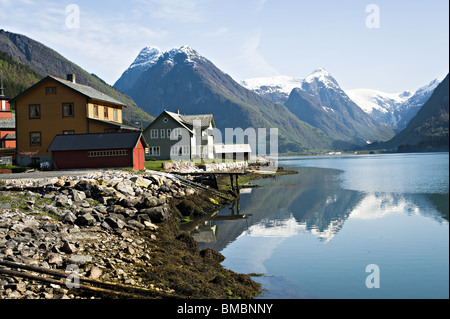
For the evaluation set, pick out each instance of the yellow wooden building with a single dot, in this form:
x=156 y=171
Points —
x=55 y=106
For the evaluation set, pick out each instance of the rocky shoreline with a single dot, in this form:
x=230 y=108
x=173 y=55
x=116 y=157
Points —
x=113 y=226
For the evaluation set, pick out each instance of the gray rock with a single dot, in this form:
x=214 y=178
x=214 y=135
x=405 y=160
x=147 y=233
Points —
x=79 y=259
x=115 y=222
x=125 y=188
x=141 y=182
x=68 y=218
x=157 y=214
x=63 y=201
x=85 y=220
x=78 y=196
x=135 y=224
x=68 y=248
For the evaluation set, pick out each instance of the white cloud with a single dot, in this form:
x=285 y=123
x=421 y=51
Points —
x=217 y=33
x=260 y=5
x=175 y=10
x=255 y=61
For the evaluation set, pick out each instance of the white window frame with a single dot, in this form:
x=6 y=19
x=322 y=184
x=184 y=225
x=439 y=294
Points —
x=107 y=153
x=154 y=151
x=163 y=133
x=154 y=133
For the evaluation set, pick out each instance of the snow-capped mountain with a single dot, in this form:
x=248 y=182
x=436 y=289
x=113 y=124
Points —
x=321 y=102
x=275 y=89
x=380 y=105
x=319 y=78
x=395 y=109
x=146 y=58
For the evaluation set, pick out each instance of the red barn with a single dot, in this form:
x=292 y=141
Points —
x=105 y=150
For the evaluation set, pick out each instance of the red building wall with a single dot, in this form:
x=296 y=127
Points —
x=139 y=157
x=7 y=143
x=81 y=159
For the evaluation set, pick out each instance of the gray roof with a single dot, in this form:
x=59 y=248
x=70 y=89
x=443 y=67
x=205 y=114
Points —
x=103 y=141
x=87 y=91
x=205 y=119
x=188 y=120
x=8 y=123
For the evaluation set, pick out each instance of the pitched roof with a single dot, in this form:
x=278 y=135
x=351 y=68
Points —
x=116 y=125
x=205 y=119
x=188 y=120
x=85 y=90
x=102 y=141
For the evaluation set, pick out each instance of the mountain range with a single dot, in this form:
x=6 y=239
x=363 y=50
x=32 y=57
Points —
x=181 y=79
x=25 y=61
x=393 y=109
x=428 y=130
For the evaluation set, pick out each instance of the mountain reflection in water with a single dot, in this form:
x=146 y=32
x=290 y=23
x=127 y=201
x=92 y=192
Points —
x=311 y=202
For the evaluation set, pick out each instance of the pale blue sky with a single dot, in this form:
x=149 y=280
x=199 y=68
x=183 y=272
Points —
x=250 y=38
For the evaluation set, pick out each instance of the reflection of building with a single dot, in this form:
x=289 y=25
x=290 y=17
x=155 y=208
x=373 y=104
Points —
x=205 y=233
x=55 y=106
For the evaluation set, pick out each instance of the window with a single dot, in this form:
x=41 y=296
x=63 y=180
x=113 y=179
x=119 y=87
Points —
x=180 y=150
x=176 y=133
x=107 y=153
x=35 y=111
x=168 y=133
x=116 y=115
x=96 y=111
x=35 y=139
x=153 y=133
x=154 y=151
x=165 y=120
x=68 y=110
x=69 y=132
x=106 y=115
x=50 y=90
x=163 y=133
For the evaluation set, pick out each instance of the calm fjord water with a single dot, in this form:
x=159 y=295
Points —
x=313 y=234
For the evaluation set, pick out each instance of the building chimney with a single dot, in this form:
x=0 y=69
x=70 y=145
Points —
x=177 y=111
x=71 y=78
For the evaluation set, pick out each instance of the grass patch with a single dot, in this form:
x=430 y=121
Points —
x=155 y=165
